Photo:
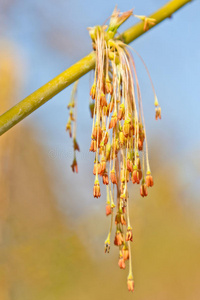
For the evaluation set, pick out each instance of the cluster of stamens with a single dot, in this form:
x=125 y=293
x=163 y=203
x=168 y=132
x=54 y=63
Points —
x=118 y=137
x=118 y=134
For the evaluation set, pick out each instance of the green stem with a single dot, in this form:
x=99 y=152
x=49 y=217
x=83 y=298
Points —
x=160 y=15
x=83 y=66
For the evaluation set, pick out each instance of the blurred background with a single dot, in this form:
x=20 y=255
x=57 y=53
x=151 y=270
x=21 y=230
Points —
x=52 y=230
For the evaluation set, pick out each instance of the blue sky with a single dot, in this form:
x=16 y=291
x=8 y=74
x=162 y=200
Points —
x=52 y=35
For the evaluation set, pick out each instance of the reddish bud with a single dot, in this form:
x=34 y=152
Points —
x=113 y=177
x=76 y=146
x=69 y=128
x=108 y=210
x=97 y=168
x=71 y=115
x=158 y=113
x=105 y=139
x=74 y=166
x=130 y=284
x=136 y=176
x=93 y=146
x=110 y=107
x=97 y=132
x=140 y=144
x=143 y=190
x=119 y=219
x=129 y=165
x=105 y=178
x=121 y=263
x=96 y=189
x=129 y=234
x=125 y=253
x=118 y=238
x=118 y=18
x=121 y=112
x=149 y=180
x=113 y=120
x=103 y=101
x=126 y=128
x=103 y=166
x=138 y=162
x=109 y=88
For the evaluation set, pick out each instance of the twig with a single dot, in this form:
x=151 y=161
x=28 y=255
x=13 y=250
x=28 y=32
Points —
x=83 y=66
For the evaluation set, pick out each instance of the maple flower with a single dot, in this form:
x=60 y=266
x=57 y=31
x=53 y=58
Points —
x=74 y=165
x=118 y=238
x=96 y=189
x=121 y=263
x=118 y=19
x=118 y=138
x=129 y=234
x=130 y=283
x=147 y=21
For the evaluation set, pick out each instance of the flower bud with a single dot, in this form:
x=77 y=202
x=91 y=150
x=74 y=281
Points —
x=130 y=283
x=97 y=168
x=125 y=253
x=135 y=175
x=149 y=179
x=121 y=263
x=105 y=178
x=93 y=146
x=108 y=210
x=113 y=177
x=143 y=190
x=97 y=132
x=129 y=234
x=69 y=128
x=121 y=112
x=103 y=101
x=118 y=18
x=96 y=189
x=126 y=127
x=118 y=238
x=109 y=88
x=110 y=107
x=76 y=146
x=74 y=166
x=113 y=120
x=158 y=113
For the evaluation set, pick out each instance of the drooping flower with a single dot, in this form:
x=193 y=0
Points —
x=74 y=165
x=118 y=138
x=118 y=238
x=121 y=263
x=130 y=283
x=149 y=179
x=96 y=189
x=129 y=234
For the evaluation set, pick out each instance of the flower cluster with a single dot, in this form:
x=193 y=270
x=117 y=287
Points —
x=72 y=120
x=118 y=133
x=118 y=137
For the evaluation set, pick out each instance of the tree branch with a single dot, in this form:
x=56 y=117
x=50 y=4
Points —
x=83 y=66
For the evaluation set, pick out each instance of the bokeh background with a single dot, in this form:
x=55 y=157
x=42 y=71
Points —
x=52 y=230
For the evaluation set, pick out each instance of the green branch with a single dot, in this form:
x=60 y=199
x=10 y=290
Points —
x=83 y=66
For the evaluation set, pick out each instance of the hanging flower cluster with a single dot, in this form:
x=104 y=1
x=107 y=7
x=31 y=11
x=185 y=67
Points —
x=118 y=137
x=72 y=120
